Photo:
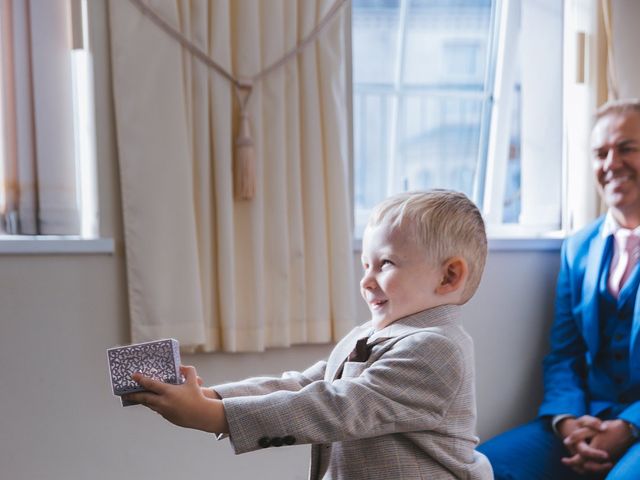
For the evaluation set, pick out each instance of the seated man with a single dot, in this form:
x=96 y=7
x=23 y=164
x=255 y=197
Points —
x=589 y=419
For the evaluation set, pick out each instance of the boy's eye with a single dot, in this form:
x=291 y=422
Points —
x=386 y=262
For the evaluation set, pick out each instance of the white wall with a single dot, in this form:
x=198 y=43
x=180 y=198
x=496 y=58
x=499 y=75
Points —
x=60 y=421
x=58 y=314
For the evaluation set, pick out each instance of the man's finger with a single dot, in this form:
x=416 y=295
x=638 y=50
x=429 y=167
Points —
x=574 y=463
x=592 y=422
x=579 y=435
x=597 y=467
x=590 y=453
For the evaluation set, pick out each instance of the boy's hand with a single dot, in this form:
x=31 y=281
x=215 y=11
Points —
x=210 y=393
x=186 y=405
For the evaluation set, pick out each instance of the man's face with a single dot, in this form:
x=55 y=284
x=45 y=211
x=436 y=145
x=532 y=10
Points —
x=615 y=143
x=398 y=278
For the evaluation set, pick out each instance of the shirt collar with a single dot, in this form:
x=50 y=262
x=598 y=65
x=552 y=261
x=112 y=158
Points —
x=432 y=317
x=610 y=226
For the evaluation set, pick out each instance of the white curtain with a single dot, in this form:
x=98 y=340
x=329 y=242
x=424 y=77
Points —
x=39 y=181
x=211 y=271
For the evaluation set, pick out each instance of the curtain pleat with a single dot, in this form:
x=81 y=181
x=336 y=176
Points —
x=211 y=271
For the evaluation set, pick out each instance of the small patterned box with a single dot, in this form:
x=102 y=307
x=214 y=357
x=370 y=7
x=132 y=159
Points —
x=159 y=359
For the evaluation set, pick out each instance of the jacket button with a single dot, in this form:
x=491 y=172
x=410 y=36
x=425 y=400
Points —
x=264 y=442
x=289 y=440
x=277 y=442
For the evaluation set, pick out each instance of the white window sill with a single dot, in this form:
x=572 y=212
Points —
x=53 y=244
x=525 y=244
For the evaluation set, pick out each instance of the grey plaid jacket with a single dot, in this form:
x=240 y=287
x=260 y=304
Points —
x=408 y=412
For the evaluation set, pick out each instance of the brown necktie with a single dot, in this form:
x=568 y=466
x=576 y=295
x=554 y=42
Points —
x=360 y=352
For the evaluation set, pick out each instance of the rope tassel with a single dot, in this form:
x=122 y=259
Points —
x=244 y=168
x=244 y=164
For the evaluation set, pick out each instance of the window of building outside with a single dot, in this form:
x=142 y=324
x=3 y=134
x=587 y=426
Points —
x=428 y=88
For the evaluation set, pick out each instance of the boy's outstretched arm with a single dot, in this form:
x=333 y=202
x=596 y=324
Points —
x=186 y=405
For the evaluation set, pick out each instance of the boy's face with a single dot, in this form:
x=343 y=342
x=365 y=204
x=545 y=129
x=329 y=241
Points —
x=398 y=279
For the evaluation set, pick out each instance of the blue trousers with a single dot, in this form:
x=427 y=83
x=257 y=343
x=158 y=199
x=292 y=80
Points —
x=533 y=452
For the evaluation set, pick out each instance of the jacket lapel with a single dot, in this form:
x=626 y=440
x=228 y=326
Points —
x=634 y=353
x=595 y=260
x=342 y=349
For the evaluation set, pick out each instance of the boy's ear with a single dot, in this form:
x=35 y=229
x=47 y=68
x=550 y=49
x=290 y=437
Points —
x=454 y=274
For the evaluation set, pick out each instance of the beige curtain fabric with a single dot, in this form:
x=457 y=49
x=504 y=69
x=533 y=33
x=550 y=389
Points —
x=586 y=88
x=213 y=272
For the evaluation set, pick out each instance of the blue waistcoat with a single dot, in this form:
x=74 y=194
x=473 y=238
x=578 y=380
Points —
x=612 y=359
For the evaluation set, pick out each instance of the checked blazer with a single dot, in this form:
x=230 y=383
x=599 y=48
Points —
x=408 y=412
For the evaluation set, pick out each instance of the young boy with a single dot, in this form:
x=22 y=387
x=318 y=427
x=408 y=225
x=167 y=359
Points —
x=401 y=405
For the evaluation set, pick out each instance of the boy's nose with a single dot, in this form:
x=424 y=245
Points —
x=367 y=282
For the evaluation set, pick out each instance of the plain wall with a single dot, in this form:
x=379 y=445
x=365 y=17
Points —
x=58 y=314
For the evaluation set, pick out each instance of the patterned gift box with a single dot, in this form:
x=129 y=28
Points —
x=159 y=359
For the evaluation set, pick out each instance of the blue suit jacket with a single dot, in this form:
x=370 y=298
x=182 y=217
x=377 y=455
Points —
x=571 y=383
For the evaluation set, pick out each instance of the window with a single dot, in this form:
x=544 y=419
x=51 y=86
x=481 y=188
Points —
x=462 y=60
x=438 y=102
x=47 y=154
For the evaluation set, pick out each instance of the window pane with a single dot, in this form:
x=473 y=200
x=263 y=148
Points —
x=446 y=43
x=375 y=40
x=419 y=68
x=438 y=143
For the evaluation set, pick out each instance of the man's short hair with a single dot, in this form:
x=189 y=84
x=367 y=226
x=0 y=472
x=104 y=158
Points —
x=622 y=106
x=445 y=222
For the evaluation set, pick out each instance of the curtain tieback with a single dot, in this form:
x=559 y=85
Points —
x=244 y=171
x=244 y=162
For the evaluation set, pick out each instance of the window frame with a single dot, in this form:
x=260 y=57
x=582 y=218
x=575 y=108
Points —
x=496 y=115
x=77 y=83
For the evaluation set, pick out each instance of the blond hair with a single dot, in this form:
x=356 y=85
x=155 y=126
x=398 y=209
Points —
x=445 y=222
x=621 y=107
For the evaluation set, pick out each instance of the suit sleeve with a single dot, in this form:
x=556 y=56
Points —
x=409 y=388
x=289 y=381
x=632 y=414
x=564 y=366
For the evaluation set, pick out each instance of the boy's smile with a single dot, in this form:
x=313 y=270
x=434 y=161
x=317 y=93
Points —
x=399 y=279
